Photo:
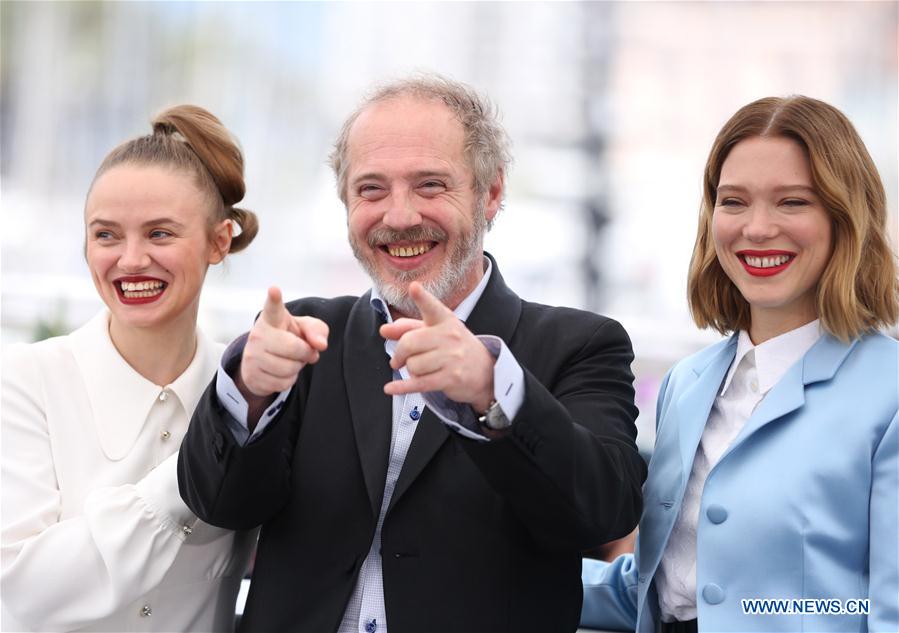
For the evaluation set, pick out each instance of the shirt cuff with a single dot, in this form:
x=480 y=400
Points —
x=508 y=391
x=233 y=401
x=508 y=376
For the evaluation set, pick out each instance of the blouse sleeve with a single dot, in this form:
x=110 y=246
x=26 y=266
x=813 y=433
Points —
x=65 y=574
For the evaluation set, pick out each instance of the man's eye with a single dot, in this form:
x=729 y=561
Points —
x=103 y=235
x=157 y=234
x=431 y=187
x=370 y=191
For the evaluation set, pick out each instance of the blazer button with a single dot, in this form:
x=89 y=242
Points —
x=713 y=594
x=716 y=513
x=146 y=611
x=218 y=445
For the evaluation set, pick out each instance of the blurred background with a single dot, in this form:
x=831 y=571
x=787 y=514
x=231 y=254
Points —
x=612 y=107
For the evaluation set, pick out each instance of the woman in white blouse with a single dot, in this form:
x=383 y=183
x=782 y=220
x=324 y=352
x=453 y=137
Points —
x=772 y=494
x=94 y=533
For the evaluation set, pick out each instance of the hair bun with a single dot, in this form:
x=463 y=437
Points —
x=249 y=227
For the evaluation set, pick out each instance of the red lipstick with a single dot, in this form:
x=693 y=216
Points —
x=757 y=270
x=157 y=291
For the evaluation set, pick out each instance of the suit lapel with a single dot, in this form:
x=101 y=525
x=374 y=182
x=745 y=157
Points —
x=497 y=312
x=694 y=406
x=430 y=434
x=819 y=363
x=366 y=371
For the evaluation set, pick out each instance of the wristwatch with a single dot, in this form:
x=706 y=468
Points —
x=494 y=418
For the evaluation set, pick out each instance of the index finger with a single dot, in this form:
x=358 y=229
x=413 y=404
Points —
x=431 y=308
x=273 y=312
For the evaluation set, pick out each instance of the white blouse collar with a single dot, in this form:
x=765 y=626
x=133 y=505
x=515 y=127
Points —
x=120 y=397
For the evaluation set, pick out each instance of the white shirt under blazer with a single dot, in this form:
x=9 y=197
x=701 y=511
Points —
x=94 y=533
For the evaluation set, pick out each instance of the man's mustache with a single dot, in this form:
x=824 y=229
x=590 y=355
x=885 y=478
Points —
x=383 y=235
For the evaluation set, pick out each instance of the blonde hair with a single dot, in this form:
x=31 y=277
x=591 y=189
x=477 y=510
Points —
x=191 y=138
x=859 y=289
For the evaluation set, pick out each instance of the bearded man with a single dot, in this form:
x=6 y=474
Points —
x=433 y=455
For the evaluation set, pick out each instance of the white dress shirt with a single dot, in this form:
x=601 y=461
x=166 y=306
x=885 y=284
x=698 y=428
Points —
x=754 y=371
x=94 y=532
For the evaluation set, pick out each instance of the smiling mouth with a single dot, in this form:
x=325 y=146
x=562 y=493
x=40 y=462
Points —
x=765 y=264
x=140 y=289
x=408 y=250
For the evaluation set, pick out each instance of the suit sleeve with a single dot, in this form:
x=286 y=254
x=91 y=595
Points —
x=63 y=574
x=569 y=466
x=610 y=594
x=211 y=460
x=610 y=589
x=883 y=563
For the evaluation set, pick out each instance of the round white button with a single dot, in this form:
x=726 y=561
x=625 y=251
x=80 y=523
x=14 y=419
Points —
x=163 y=396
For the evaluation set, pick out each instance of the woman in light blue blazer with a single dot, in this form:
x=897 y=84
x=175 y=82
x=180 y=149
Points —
x=772 y=500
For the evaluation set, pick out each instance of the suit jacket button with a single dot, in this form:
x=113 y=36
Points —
x=716 y=513
x=713 y=594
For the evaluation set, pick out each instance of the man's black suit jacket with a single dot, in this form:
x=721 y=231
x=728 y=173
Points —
x=478 y=536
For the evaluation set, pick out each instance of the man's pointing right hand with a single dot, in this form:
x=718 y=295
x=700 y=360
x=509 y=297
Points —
x=278 y=347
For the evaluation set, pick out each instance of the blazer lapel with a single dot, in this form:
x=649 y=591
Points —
x=819 y=363
x=430 y=434
x=366 y=371
x=694 y=406
x=497 y=312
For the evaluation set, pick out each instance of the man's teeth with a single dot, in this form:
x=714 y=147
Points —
x=767 y=262
x=141 y=289
x=408 y=251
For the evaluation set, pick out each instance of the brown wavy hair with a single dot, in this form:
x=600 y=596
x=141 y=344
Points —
x=859 y=289
x=187 y=137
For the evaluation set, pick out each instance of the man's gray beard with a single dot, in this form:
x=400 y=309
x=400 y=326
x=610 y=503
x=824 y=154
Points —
x=466 y=252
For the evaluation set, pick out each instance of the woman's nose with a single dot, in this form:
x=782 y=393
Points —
x=760 y=225
x=134 y=257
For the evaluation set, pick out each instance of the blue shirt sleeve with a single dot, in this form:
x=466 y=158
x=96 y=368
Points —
x=610 y=594
x=508 y=391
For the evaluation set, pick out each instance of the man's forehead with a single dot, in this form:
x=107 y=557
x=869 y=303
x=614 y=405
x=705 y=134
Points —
x=407 y=119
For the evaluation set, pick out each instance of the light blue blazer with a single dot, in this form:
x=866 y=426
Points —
x=804 y=504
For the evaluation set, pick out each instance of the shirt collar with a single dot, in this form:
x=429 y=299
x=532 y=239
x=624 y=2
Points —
x=462 y=311
x=775 y=356
x=120 y=397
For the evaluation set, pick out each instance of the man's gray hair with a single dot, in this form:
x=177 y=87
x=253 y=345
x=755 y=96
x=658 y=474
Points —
x=487 y=146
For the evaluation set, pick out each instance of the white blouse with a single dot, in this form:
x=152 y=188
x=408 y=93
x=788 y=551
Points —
x=94 y=532
x=754 y=371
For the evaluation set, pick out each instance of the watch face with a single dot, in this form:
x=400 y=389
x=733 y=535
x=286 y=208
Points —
x=496 y=419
